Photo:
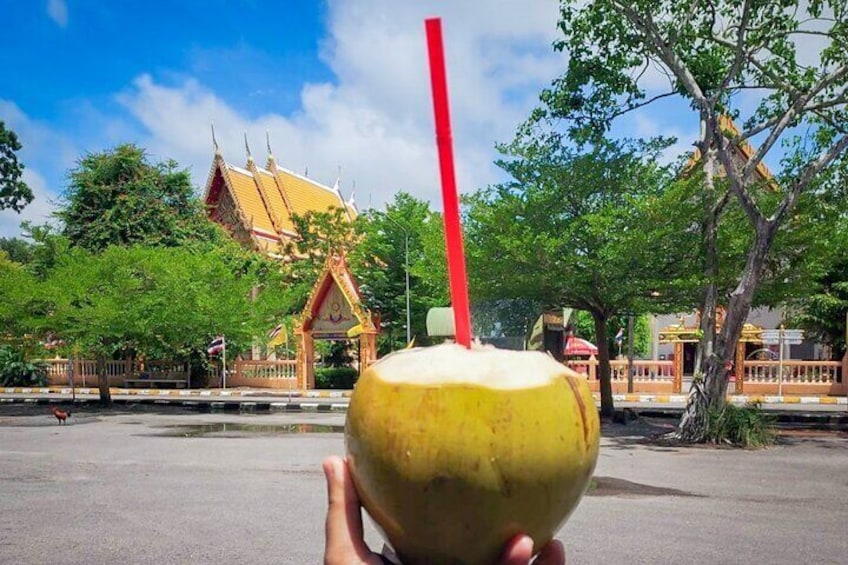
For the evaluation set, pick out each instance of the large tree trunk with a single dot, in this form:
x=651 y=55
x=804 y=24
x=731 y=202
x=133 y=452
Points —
x=713 y=207
x=710 y=392
x=710 y=297
x=103 y=381
x=607 y=407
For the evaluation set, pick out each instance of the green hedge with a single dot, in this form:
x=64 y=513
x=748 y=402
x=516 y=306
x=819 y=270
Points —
x=335 y=377
x=15 y=370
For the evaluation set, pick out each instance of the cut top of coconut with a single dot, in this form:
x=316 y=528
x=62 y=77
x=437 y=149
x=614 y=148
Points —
x=481 y=365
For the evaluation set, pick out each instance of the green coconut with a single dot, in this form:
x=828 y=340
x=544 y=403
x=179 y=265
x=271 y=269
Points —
x=454 y=451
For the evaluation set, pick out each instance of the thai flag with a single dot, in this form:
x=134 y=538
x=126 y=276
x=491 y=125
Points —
x=216 y=346
x=619 y=337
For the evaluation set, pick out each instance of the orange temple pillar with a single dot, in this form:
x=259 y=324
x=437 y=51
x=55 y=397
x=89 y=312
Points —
x=306 y=361
x=739 y=368
x=678 y=366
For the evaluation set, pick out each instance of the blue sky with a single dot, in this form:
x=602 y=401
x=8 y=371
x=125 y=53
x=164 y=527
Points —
x=339 y=85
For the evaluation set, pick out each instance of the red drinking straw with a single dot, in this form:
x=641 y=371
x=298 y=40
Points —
x=444 y=141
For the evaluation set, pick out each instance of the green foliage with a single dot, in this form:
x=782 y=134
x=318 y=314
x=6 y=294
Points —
x=18 y=301
x=15 y=370
x=722 y=59
x=16 y=249
x=157 y=301
x=569 y=230
x=506 y=317
x=335 y=377
x=321 y=233
x=584 y=326
x=48 y=247
x=823 y=313
x=14 y=192
x=745 y=426
x=118 y=197
x=379 y=263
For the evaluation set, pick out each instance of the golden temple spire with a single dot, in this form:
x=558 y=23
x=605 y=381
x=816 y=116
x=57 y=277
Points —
x=351 y=201
x=337 y=184
x=247 y=149
x=215 y=142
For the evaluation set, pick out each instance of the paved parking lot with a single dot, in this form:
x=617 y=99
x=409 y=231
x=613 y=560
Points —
x=162 y=485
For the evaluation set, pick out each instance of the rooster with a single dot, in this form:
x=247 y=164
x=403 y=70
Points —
x=61 y=415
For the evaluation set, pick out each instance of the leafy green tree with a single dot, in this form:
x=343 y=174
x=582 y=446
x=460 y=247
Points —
x=16 y=249
x=156 y=301
x=319 y=235
x=568 y=231
x=823 y=312
x=47 y=247
x=14 y=192
x=712 y=53
x=119 y=197
x=584 y=325
x=18 y=302
x=379 y=262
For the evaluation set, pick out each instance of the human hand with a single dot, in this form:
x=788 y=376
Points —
x=345 y=544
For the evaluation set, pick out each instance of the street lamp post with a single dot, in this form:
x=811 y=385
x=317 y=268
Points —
x=630 y=352
x=406 y=272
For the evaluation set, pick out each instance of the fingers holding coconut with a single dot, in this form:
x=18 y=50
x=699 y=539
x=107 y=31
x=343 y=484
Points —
x=519 y=551
x=551 y=554
x=343 y=529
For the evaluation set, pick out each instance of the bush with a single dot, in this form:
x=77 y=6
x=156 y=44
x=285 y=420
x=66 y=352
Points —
x=335 y=377
x=17 y=371
x=745 y=426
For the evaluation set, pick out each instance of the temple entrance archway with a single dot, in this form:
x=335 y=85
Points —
x=685 y=340
x=334 y=311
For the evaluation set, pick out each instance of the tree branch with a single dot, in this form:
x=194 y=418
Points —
x=645 y=103
x=843 y=99
x=739 y=55
x=663 y=50
x=788 y=117
x=758 y=65
x=809 y=173
x=746 y=199
x=693 y=8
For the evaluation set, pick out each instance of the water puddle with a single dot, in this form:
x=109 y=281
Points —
x=241 y=430
x=611 y=486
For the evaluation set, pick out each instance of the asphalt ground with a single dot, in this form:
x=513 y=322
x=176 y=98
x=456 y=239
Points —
x=162 y=484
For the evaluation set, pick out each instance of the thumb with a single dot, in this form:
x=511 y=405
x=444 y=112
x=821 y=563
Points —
x=343 y=527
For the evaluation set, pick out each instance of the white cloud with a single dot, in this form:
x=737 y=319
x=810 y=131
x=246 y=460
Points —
x=57 y=10
x=38 y=211
x=46 y=153
x=375 y=120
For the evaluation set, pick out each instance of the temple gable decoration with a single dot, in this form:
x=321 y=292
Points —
x=334 y=311
x=256 y=205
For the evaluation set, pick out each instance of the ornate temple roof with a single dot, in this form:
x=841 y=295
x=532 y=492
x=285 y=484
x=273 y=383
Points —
x=261 y=201
x=335 y=305
x=744 y=151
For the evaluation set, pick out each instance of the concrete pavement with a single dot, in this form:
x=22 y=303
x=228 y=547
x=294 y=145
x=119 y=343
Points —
x=157 y=484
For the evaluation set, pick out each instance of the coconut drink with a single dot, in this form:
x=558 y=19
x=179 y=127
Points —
x=454 y=451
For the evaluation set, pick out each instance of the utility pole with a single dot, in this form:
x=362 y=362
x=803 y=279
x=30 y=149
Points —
x=406 y=271
x=630 y=352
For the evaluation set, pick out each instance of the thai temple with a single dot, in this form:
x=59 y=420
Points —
x=256 y=204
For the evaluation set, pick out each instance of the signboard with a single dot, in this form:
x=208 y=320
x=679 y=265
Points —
x=775 y=337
